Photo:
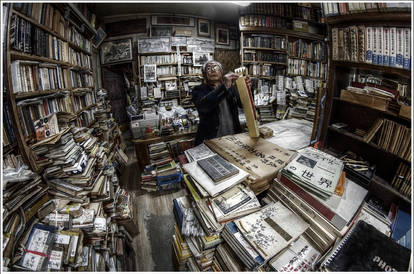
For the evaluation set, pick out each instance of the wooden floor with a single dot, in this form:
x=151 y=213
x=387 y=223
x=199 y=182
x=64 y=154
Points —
x=155 y=220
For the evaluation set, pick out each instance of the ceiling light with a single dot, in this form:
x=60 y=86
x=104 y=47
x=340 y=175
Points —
x=241 y=3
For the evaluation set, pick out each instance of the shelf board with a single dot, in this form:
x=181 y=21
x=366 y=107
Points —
x=385 y=112
x=85 y=108
x=37 y=93
x=361 y=140
x=171 y=64
x=157 y=53
x=9 y=148
x=393 y=70
x=16 y=55
x=268 y=49
x=263 y=62
x=369 y=17
x=318 y=78
x=304 y=35
x=76 y=47
x=264 y=77
x=382 y=183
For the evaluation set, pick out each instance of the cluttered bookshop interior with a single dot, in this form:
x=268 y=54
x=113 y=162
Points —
x=206 y=136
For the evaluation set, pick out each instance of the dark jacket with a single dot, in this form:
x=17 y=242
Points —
x=206 y=99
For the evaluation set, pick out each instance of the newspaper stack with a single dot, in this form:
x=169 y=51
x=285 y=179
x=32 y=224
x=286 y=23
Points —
x=315 y=170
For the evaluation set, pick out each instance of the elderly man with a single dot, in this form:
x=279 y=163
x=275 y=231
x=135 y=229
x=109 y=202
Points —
x=217 y=102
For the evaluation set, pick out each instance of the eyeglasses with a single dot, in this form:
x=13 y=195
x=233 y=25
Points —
x=212 y=68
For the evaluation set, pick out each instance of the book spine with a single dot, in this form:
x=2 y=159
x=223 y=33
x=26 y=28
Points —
x=400 y=45
x=369 y=40
x=393 y=47
x=335 y=44
x=374 y=46
x=386 y=47
x=379 y=36
x=407 y=48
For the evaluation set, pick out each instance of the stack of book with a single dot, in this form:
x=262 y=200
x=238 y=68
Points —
x=309 y=169
x=168 y=176
x=159 y=154
x=266 y=113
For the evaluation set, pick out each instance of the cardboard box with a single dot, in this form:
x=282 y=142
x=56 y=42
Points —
x=405 y=111
x=367 y=100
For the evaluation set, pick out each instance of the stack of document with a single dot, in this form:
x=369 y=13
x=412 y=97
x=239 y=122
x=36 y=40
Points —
x=315 y=170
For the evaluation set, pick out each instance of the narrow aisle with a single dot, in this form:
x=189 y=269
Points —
x=155 y=219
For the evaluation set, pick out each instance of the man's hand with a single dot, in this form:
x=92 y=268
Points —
x=229 y=78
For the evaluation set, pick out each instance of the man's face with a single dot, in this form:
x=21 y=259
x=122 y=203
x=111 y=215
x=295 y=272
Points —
x=213 y=72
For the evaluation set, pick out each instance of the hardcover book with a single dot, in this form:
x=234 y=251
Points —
x=367 y=249
x=217 y=168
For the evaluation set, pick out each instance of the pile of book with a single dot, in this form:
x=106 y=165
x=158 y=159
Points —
x=162 y=173
x=393 y=137
x=217 y=196
x=314 y=170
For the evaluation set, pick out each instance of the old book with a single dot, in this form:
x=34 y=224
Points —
x=373 y=130
x=399 y=48
x=300 y=256
x=369 y=43
x=271 y=229
x=217 y=168
x=367 y=249
x=310 y=170
x=208 y=184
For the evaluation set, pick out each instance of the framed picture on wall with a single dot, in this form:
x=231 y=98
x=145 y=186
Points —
x=165 y=20
x=161 y=31
x=98 y=38
x=204 y=27
x=199 y=58
x=150 y=73
x=116 y=51
x=222 y=36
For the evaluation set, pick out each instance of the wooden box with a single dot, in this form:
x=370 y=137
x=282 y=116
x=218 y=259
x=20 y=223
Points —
x=405 y=111
x=367 y=100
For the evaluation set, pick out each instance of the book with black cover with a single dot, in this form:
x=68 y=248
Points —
x=217 y=168
x=367 y=249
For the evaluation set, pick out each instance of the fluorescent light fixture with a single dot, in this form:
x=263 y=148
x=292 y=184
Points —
x=241 y=3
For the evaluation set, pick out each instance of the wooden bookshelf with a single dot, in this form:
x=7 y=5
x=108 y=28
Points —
x=361 y=140
x=303 y=35
x=395 y=18
x=24 y=142
x=358 y=116
x=367 y=66
x=265 y=49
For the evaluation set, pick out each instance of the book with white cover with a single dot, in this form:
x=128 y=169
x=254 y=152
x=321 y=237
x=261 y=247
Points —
x=379 y=39
x=407 y=48
x=369 y=37
x=315 y=170
x=299 y=256
x=393 y=47
x=271 y=229
x=207 y=183
x=399 y=48
x=197 y=153
x=386 y=47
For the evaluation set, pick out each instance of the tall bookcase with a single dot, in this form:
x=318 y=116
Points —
x=287 y=40
x=358 y=116
x=48 y=69
x=177 y=66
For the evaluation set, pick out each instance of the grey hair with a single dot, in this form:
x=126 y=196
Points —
x=210 y=62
